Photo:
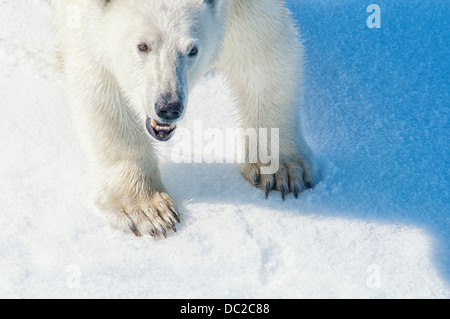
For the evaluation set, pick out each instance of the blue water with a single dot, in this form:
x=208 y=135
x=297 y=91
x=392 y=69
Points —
x=377 y=105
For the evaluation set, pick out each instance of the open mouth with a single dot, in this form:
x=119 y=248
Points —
x=162 y=132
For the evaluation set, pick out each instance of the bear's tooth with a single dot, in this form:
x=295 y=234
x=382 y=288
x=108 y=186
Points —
x=162 y=128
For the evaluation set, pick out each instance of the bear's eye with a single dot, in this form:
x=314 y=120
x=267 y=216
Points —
x=193 y=52
x=143 y=47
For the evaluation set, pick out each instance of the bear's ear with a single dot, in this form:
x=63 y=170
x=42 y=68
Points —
x=212 y=3
x=103 y=2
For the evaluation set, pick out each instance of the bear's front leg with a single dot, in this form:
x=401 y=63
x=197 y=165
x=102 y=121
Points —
x=134 y=199
x=293 y=175
x=291 y=167
x=128 y=187
x=264 y=66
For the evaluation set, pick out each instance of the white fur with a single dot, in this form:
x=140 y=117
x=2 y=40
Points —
x=113 y=88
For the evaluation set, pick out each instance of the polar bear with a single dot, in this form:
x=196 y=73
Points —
x=129 y=67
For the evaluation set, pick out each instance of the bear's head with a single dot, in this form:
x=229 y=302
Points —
x=156 y=50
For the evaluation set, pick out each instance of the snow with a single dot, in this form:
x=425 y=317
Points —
x=377 y=226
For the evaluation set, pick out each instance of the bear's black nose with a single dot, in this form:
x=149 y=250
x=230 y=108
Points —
x=168 y=110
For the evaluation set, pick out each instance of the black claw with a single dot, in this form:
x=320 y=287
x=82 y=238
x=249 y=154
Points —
x=308 y=185
x=283 y=191
x=296 y=193
x=164 y=233
x=152 y=233
x=268 y=189
x=134 y=230
x=256 y=180
x=176 y=217
x=174 y=229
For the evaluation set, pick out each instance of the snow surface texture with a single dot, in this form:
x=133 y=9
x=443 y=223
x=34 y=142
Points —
x=377 y=226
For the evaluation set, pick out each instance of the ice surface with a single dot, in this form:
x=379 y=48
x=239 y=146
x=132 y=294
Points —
x=377 y=226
